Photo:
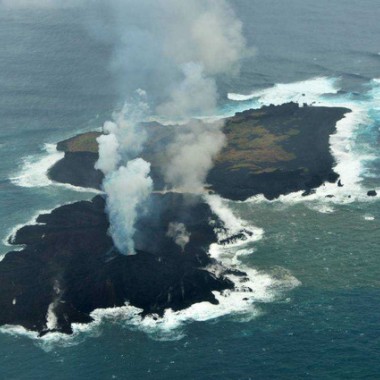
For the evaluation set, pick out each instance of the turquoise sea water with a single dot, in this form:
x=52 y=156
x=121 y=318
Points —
x=54 y=82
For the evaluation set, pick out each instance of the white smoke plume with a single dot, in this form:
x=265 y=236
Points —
x=109 y=156
x=180 y=235
x=171 y=48
x=127 y=188
x=195 y=95
x=127 y=182
x=191 y=155
x=175 y=50
x=123 y=138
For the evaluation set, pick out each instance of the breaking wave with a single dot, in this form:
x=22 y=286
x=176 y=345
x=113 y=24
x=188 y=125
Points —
x=34 y=171
x=308 y=91
x=10 y=236
x=351 y=157
x=237 y=237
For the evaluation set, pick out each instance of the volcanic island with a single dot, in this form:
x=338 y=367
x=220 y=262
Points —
x=69 y=266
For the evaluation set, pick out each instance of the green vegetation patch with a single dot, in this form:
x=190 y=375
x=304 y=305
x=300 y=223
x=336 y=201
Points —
x=85 y=142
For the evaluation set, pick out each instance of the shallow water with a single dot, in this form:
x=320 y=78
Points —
x=54 y=83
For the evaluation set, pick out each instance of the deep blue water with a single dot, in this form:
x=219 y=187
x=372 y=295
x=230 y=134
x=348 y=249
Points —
x=54 y=82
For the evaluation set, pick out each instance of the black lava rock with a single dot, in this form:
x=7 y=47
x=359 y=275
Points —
x=69 y=265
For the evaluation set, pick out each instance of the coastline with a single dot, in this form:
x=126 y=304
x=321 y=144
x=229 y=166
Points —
x=270 y=151
x=72 y=259
x=208 y=273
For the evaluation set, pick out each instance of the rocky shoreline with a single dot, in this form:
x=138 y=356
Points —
x=273 y=151
x=69 y=266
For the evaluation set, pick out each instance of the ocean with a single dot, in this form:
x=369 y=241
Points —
x=314 y=262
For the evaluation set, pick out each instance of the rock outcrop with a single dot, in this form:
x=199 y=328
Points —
x=272 y=151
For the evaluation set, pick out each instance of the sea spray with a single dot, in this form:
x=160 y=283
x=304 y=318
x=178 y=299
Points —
x=350 y=162
x=34 y=169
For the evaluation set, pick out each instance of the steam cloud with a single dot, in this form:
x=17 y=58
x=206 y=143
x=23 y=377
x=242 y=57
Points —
x=127 y=182
x=178 y=232
x=192 y=153
x=127 y=188
x=123 y=138
x=174 y=50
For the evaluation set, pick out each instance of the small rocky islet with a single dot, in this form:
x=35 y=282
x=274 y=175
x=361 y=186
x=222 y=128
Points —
x=69 y=267
x=272 y=151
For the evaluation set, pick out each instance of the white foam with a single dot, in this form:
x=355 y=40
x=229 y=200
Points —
x=307 y=91
x=34 y=171
x=229 y=253
x=240 y=303
x=322 y=208
x=250 y=289
x=7 y=241
x=349 y=161
x=12 y=233
x=16 y=330
x=51 y=318
x=47 y=342
x=79 y=189
x=256 y=286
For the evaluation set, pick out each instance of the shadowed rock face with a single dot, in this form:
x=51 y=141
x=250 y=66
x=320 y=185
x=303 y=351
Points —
x=275 y=151
x=70 y=266
x=77 y=168
x=272 y=151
